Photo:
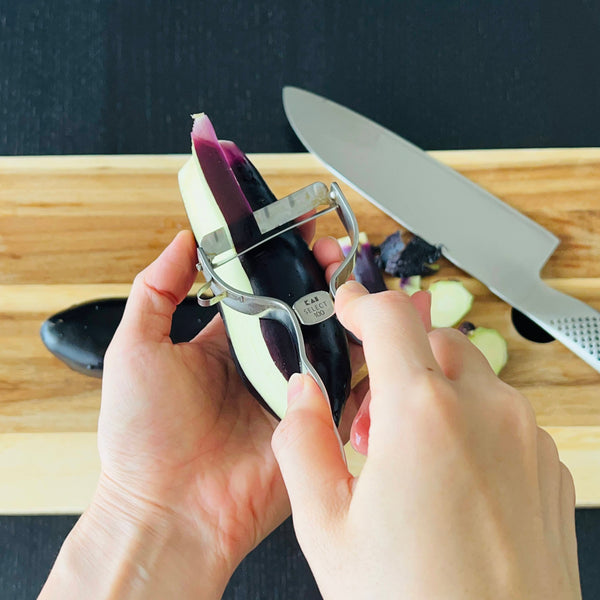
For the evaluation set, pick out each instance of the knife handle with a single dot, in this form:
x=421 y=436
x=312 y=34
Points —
x=570 y=321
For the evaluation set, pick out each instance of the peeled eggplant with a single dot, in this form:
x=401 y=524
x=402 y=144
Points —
x=221 y=188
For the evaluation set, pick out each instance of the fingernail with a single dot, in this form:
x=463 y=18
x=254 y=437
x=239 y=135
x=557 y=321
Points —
x=295 y=388
x=353 y=286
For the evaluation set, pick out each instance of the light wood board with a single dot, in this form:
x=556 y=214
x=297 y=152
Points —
x=79 y=228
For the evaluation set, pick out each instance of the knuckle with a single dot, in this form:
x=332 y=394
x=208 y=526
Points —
x=156 y=296
x=448 y=347
x=434 y=405
x=387 y=309
x=390 y=299
x=547 y=449
x=289 y=433
x=382 y=302
x=139 y=281
x=111 y=356
x=567 y=484
x=116 y=352
x=435 y=390
x=281 y=435
x=453 y=350
x=517 y=416
x=447 y=335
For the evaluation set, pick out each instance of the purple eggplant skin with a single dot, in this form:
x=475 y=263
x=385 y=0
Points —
x=390 y=247
x=466 y=327
x=285 y=268
x=80 y=335
x=366 y=271
x=227 y=192
x=415 y=258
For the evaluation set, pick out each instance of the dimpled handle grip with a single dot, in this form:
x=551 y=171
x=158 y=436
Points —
x=570 y=321
x=582 y=331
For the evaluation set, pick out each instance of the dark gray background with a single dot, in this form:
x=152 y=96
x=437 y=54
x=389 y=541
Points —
x=122 y=77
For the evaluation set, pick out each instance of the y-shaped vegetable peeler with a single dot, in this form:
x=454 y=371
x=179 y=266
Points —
x=215 y=249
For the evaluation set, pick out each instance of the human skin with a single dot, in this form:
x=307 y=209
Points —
x=189 y=484
x=462 y=495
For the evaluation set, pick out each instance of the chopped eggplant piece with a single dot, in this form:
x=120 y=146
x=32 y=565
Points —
x=391 y=247
x=466 y=327
x=410 y=284
x=492 y=345
x=450 y=302
x=366 y=270
x=415 y=258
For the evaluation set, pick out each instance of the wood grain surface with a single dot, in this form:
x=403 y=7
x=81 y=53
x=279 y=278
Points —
x=79 y=228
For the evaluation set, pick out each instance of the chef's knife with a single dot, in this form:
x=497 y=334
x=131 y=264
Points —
x=492 y=241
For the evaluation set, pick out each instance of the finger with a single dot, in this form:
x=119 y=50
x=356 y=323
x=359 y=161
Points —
x=457 y=356
x=329 y=254
x=351 y=408
x=327 y=251
x=359 y=433
x=549 y=479
x=158 y=289
x=567 y=491
x=309 y=456
x=394 y=340
x=307 y=230
x=421 y=300
x=568 y=528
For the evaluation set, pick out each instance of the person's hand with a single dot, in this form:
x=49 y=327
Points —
x=188 y=476
x=178 y=429
x=461 y=496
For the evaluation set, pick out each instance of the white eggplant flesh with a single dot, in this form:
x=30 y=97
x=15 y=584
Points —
x=244 y=330
x=220 y=188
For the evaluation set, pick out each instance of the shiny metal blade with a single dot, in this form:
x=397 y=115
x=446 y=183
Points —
x=273 y=219
x=292 y=207
x=479 y=233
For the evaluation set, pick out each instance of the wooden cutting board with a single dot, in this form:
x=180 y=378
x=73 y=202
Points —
x=79 y=228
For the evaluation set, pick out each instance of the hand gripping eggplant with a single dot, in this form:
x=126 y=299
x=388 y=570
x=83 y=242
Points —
x=215 y=249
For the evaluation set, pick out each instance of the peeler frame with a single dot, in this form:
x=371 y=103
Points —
x=216 y=290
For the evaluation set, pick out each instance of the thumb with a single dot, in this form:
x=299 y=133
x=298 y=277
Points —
x=308 y=452
x=158 y=289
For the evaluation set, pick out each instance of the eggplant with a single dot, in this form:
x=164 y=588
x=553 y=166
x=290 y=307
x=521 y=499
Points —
x=221 y=188
x=466 y=327
x=450 y=302
x=491 y=344
x=406 y=260
x=391 y=247
x=411 y=284
x=366 y=271
x=80 y=335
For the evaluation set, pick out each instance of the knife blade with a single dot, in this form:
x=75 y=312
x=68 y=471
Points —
x=482 y=235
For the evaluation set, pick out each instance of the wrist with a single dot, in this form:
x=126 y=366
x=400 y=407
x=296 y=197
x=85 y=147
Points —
x=124 y=547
